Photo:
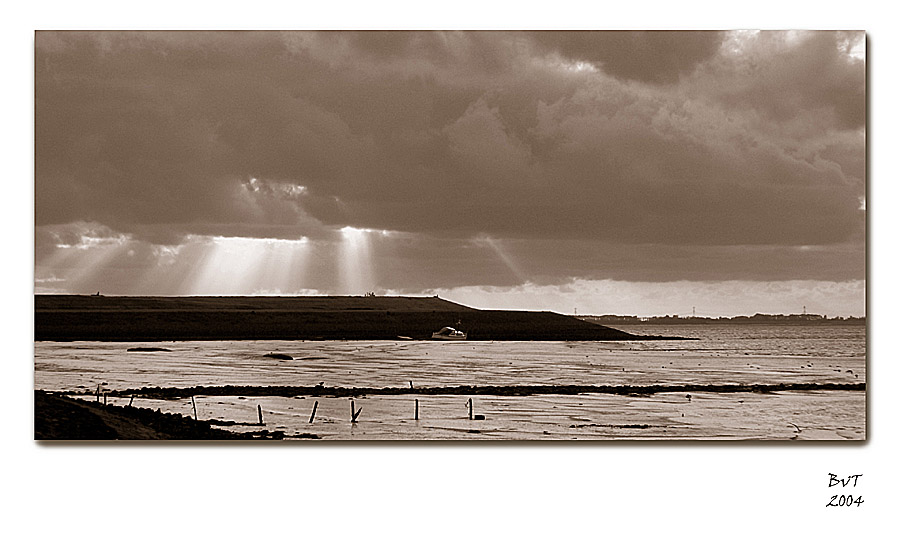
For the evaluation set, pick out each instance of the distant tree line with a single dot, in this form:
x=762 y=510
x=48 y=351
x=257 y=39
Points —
x=759 y=318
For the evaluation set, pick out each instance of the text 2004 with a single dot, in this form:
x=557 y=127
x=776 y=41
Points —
x=845 y=500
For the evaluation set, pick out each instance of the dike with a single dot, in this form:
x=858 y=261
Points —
x=132 y=318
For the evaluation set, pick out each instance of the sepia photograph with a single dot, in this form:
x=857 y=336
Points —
x=450 y=235
x=483 y=269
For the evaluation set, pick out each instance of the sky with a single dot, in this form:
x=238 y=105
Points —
x=640 y=173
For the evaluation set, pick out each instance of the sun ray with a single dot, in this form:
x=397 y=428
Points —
x=501 y=253
x=235 y=265
x=79 y=264
x=355 y=267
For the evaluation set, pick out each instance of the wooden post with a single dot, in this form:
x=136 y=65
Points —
x=194 y=404
x=130 y=401
x=470 y=408
x=417 y=409
x=98 y=393
x=313 y=415
x=104 y=398
x=259 y=410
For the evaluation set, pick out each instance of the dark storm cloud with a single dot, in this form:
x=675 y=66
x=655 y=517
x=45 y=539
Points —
x=647 y=56
x=680 y=139
x=793 y=78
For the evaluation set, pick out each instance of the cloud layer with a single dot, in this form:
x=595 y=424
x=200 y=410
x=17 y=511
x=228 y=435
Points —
x=597 y=155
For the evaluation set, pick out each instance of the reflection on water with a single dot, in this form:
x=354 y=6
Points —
x=723 y=355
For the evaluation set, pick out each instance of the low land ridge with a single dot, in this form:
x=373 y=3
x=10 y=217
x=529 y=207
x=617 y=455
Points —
x=134 y=318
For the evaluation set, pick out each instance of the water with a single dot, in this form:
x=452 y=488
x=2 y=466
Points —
x=725 y=354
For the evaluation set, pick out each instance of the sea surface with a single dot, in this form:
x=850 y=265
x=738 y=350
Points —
x=721 y=354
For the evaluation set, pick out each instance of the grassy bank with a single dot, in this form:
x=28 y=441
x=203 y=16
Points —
x=59 y=418
x=101 y=318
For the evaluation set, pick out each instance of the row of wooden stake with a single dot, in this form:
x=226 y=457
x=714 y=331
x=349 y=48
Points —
x=130 y=401
x=354 y=412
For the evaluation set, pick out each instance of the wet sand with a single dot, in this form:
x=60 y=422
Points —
x=776 y=416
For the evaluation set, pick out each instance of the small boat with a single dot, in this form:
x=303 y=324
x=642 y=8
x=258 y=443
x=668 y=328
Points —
x=449 y=334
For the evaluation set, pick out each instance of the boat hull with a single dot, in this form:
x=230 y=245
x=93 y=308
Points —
x=448 y=338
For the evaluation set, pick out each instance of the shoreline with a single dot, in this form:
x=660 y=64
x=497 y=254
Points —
x=61 y=418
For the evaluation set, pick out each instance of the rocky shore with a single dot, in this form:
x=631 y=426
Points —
x=506 y=390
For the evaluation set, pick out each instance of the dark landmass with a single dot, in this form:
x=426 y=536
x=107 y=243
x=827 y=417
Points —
x=759 y=318
x=148 y=349
x=60 y=418
x=132 y=318
x=505 y=390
